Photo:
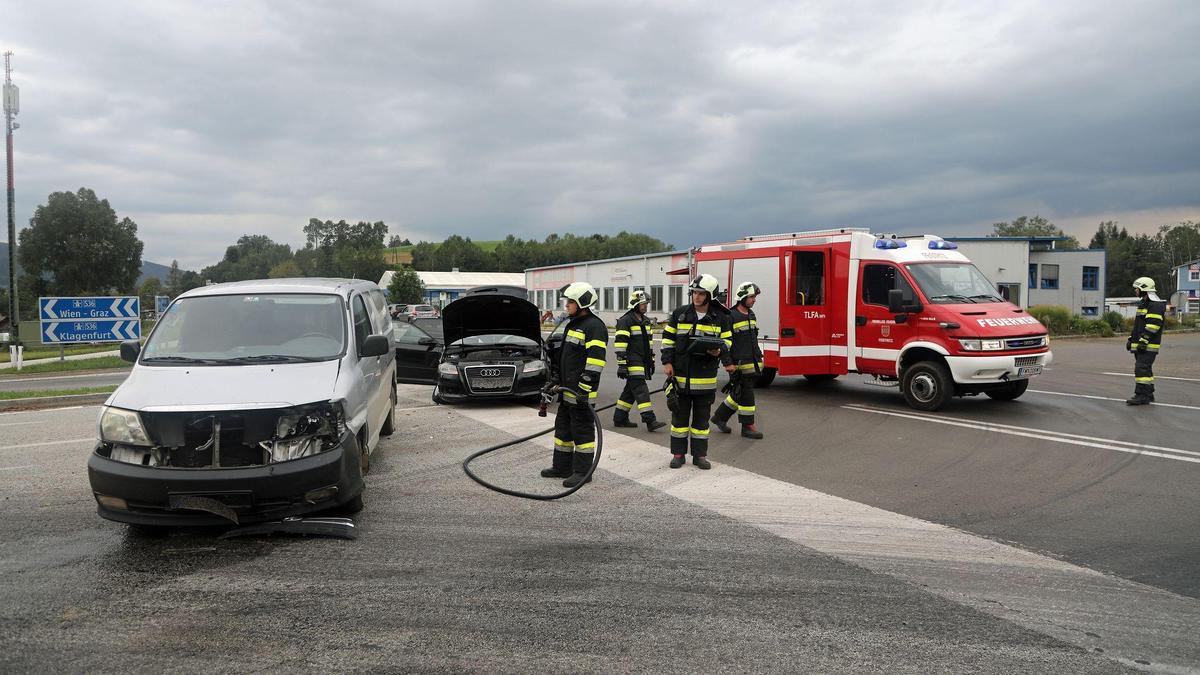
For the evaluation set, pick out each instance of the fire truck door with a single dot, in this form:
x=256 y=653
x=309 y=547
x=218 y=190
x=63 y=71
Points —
x=804 y=317
x=879 y=336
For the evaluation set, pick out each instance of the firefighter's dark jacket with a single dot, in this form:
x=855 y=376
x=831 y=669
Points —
x=745 y=351
x=1148 y=324
x=697 y=370
x=632 y=344
x=585 y=345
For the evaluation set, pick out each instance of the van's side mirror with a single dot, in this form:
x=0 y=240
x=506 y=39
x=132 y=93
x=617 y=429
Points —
x=896 y=301
x=375 y=345
x=130 y=350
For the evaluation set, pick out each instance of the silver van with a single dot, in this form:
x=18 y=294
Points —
x=249 y=401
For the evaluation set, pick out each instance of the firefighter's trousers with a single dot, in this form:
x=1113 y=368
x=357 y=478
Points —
x=742 y=403
x=636 y=392
x=574 y=430
x=690 y=421
x=1143 y=373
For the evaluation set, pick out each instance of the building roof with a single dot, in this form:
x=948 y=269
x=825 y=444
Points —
x=463 y=280
x=608 y=260
x=1030 y=238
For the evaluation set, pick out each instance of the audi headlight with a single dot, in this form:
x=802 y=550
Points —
x=122 y=426
x=448 y=369
x=534 y=367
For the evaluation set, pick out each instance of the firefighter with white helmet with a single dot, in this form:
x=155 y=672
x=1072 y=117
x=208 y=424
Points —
x=585 y=346
x=748 y=358
x=696 y=339
x=635 y=364
x=1145 y=340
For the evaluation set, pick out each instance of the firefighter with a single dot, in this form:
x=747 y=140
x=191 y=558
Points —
x=695 y=339
x=585 y=345
x=748 y=358
x=1145 y=340
x=635 y=364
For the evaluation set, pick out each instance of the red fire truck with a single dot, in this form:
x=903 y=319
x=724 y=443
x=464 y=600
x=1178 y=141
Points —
x=909 y=311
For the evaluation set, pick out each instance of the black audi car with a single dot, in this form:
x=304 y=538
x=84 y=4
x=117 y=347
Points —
x=487 y=344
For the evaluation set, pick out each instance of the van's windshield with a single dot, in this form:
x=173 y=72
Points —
x=951 y=283
x=248 y=329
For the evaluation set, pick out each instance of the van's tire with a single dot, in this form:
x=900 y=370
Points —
x=927 y=386
x=1009 y=392
x=389 y=424
x=765 y=378
x=820 y=379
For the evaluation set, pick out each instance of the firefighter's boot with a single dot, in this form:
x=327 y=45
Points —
x=621 y=419
x=751 y=431
x=654 y=425
x=581 y=463
x=701 y=462
x=721 y=424
x=561 y=467
x=1138 y=399
x=677 y=461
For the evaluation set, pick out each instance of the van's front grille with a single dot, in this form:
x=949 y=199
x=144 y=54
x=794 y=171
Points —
x=1027 y=342
x=487 y=379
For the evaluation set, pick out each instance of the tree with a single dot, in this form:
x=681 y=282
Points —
x=1036 y=226
x=344 y=250
x=406 y=286
x=396 y=241
x=76 y=244
x=288 y=269
x=151 y=288
x=252 y=257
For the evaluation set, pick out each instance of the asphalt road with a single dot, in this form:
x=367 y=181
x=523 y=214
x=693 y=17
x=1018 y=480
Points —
x=816 y=549
x=39 y=382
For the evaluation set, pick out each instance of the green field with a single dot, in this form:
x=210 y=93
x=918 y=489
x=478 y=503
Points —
x=45 y=393
x=103 y=362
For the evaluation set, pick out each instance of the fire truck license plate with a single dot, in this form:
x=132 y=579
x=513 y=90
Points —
x=1029 y=371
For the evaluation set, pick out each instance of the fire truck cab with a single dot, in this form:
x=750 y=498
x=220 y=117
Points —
x=908 y=311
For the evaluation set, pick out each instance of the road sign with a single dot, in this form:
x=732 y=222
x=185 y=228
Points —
x=95 y=319
x=161 y=302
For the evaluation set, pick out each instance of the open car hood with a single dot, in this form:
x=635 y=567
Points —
x=497 y=310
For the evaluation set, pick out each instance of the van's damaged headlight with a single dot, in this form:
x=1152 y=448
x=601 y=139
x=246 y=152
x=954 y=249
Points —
x=122 y=426
x=307 y=432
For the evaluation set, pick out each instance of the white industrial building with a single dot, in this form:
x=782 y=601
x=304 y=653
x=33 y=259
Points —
x=1026 y=270
x=442 y=288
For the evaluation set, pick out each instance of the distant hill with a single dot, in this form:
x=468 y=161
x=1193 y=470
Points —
x=149 y=269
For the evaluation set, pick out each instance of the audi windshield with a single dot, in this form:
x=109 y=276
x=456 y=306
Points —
x=953 y=283
x=248 y=329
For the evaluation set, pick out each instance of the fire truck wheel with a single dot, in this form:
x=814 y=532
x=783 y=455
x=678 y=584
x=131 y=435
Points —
x=819 y=379
x=765 y=378
x=927 y=386
x=1008 y=392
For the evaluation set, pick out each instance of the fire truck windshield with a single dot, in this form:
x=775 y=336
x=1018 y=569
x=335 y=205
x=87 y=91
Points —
x=951 y=283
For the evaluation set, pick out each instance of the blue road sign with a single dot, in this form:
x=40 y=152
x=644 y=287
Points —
x=161 y=302
x=103 y=319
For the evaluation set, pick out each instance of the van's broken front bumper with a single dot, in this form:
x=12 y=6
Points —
x=153 y=495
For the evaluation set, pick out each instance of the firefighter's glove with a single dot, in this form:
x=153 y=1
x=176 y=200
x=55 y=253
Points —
x=1141 y=347
x=1129 y=344
x=671 y=389
x=622 y=371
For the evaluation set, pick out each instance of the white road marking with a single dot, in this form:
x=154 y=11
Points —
x=14 y=468
x=47 y=410
x=1109 y=398
x=16 y=424
x=1071 y=603
x=1158 y=377
x=1035 y=433
x=46 y=443
x=59 y=377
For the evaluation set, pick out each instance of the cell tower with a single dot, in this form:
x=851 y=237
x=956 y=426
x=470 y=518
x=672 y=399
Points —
x=12 y=106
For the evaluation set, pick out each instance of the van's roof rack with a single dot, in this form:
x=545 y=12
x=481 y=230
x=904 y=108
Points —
x=805 y=233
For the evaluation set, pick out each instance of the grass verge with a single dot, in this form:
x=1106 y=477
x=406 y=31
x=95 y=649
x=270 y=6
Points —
x=52 y=353
x=99 y=363
x=45 y=393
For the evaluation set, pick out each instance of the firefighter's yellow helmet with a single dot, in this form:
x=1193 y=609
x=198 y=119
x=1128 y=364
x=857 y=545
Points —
x=707 y=283
x=583 y=293
x=638 y=297
x=745 y=290
x=1145 y=284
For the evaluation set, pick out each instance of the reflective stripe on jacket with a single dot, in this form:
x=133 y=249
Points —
x=585 y=346
x=745 y=351
x=631 y=342
x=1148 y=324
x=696 y=371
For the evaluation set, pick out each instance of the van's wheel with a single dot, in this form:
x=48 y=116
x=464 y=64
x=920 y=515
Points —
x=927 y=386
x=766 y=377
x=819 y=379
x=389 y=424
x=1008 y=392
x=364 y=456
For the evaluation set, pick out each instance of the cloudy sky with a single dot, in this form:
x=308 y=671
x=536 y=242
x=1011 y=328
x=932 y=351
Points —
x=690 y=121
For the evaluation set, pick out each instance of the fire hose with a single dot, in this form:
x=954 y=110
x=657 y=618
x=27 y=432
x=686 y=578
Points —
x=466 y=465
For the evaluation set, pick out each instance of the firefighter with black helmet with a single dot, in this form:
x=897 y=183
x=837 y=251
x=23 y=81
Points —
x=585 y=346
x=748 y=358
x=1145 y=340
x=635 y=364
x=696 y=340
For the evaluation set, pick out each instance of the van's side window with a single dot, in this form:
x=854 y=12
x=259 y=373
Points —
x=362 y=322
x=879 y=279
x=808 y=270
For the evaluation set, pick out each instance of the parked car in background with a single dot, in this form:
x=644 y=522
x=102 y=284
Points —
x=488 y=344
x=422 y=311
x=250 y=401
x=397 y=310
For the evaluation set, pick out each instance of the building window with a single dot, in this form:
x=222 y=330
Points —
x=676 y=298
x=1033 y=275
x=608 y=302
x=1091 y=311
x=656 y=298
x=1091 y=278
x=622 y=297
x=1194 y=274
x=808 y=271
x=1049 y=277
